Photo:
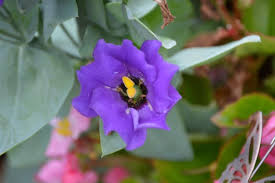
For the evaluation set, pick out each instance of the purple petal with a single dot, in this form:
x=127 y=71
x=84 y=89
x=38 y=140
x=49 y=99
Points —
x=112 y=110
x=148 y=118
x=151 y=48
x=161 y=94
x=81 y=104
x=1 y=2
x=110 y=49
x=135 y=117
x=173 y=94
x=104 y=71
x=137 y=140
x=143 y=119
x=136 y=62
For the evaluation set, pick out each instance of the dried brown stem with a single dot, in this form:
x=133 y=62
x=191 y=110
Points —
x=166 y=13
x=229 y=19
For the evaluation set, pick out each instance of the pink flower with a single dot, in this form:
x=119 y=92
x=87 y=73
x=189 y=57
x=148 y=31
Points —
x=59 y=145
x=115 y=175
x=72 y=173
x=74 y=176
x=51 y=172
x=268 y=135
x=79 y=123
x=65 y=131
x=65 y=170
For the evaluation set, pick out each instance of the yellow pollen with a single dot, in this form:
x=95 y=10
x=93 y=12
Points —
x=63 y=128
x=131 y=92
x=128 y=83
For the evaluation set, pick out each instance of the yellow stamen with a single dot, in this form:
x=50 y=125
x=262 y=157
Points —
x=128 y=83
x=63 y=128
x=131 y=92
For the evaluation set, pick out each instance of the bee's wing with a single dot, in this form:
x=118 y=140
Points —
x=271 y=178
x=241 y=168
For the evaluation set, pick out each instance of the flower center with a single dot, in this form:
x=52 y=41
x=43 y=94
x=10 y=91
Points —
x=133 y=91
x=63 y=128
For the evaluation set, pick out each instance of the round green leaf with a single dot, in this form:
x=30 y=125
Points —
x=34 y=85
x=56 y=12
x=19 y=156
x=234 y=114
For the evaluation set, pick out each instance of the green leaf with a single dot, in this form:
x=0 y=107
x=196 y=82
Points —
x=66 y=107
x=24 y=22
x=23 y=175
x=234 y=114
x=189 y=172
x=197 y=118
x=138 y=8
x=61 y=40
x=185 y=26
x=115 y=8
x=93 y=11
x=116 y=26
x=229 y=152
x=265 y=47
x=34 y=85
x=131 y=180
x=196 y=90
x=142 y=7
x=192 y=57
x=259 y=17
x=166 y=42
x=111 y=143
x=269 y=84
x=19 y=156
x=56 y=12
x=168 y=145
x=26 y=5
x=5 y=22
x=140 y=32
x=23 y=155
x=91 y=36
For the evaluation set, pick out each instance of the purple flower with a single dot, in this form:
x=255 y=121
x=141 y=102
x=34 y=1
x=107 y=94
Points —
x=129 y=89
x=1 y=2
